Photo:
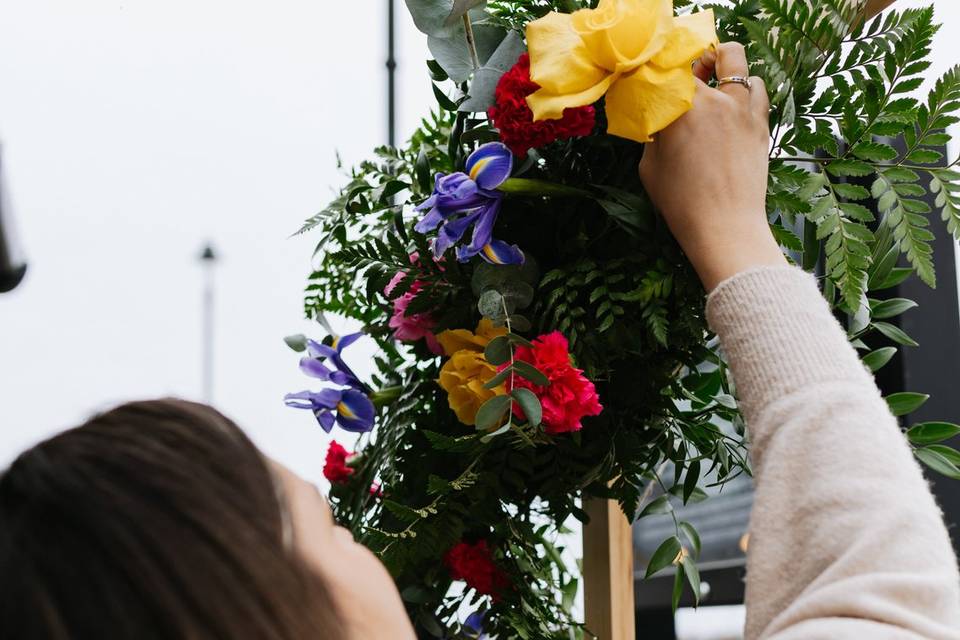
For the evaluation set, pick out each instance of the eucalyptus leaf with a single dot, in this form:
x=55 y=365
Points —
x=497 y=351
x=492 y=412
x=487 y=76
x=451 y=51
x=530 y=405
x=491 y=305
x=531 y=373
x=297 y=342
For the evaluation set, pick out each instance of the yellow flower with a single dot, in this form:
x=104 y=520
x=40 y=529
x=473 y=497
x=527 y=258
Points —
x=634 y=51
x=465 y=373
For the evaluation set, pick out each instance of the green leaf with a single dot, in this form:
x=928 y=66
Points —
x=664 y=556
x=485 y=79
x=896 y=277
x=895 y=333
x=874 y=152
x=660 y=505
x=491 y=305
x=905 y=402
x=530 y=405
x=693 y=577
x=499 y=379
x=492 y=412
x=677 y=589
x=531 y=373
x=938 y=463
x=875 y=360
x=450 y=49
x=849 y=167
x=515 y=339
x=297 y=342
x=497 y=351
x=690 y=480
x=949 y=453
x=691 y=533
x=931 y=432
x=443 y=100
x=890 y=308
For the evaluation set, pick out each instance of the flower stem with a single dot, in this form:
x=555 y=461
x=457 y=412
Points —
x=385 y=396
x=531 y=187
x=471 y=42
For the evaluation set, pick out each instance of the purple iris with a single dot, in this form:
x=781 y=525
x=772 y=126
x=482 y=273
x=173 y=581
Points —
x=461 y=200
x=473 y=625
x=351 y=408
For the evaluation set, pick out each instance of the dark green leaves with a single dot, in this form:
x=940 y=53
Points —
x=938 y=462
x=664 y=556
x=895 y=333
x=876 y=359
x=492 y=412
x=905 y=402
x=932 y=432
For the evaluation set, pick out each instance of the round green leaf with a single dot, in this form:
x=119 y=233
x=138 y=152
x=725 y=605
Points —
x=492 y=411
x=497 y=351
x=297 y=342
x=531 y=373
x=530 y=404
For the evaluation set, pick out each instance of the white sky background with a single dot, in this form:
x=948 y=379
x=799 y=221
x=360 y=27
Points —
x=133 y=132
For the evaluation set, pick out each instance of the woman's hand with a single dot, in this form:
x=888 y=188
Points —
x=707 y=172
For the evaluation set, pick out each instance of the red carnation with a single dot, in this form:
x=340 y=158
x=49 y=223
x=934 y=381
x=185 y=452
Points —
x=335 y=469
x=473 y=563
x=570 y=396
x=511 y=115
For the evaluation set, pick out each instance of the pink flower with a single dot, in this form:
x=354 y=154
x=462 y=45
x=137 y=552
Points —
x=416 y=326
x=570 y=396
x=335 y=469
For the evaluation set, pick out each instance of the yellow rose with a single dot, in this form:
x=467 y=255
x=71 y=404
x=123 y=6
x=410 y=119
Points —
x=465 y=373
x=634 y=51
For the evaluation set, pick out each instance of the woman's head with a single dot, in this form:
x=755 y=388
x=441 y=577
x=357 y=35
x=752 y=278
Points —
x=162 y=520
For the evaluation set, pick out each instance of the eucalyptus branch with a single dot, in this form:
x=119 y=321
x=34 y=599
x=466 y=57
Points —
x=471 y=41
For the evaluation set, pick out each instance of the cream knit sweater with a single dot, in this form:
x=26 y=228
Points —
x=846 y=540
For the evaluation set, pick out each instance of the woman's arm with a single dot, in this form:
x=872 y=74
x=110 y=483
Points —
x=846 y=540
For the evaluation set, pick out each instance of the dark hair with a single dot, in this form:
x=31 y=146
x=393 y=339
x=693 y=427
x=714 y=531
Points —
x=156 y=520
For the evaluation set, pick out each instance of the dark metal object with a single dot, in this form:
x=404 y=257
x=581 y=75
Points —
x=934 y=366
x=391 y=76
x=208 y=259
x=12 y=265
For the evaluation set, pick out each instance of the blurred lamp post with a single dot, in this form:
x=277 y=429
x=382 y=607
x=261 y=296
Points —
x=208 y=260
x=12 y=265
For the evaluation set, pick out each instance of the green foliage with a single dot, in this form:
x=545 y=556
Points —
x=849 y=141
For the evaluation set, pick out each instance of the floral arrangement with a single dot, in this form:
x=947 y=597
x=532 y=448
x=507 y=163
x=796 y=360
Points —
x=541 y=336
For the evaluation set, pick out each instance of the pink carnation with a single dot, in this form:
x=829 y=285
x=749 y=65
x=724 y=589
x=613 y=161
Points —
x=570 y=396
x=413 y=327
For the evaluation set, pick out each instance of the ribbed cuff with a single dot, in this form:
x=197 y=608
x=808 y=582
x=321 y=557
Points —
x=779 y=336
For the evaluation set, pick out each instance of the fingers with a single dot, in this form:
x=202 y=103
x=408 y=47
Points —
x=704 y=67
x=732 y=61
x=759 y=100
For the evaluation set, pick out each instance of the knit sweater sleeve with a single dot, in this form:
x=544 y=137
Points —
x=846 y=540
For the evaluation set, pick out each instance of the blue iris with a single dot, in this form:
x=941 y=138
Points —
x=351 y=407
x=469 y=199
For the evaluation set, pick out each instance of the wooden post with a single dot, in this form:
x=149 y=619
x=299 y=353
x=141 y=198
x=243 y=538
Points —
x=608 y=572
x=876 y=6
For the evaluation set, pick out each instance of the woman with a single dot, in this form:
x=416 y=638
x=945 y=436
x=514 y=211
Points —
x=161 y=520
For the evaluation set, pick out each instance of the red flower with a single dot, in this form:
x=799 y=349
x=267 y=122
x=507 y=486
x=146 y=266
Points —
x=335 y=469
x=570 y=396
x=511 y=115
x=473 y=563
